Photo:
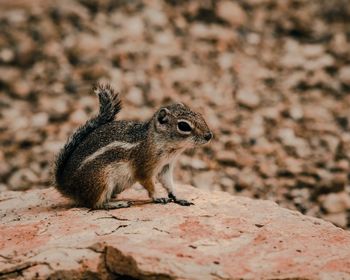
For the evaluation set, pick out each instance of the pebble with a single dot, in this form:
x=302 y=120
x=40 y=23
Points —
x=22 y=179
x=336 y=202
x=248 y=98
x=344 y=75
x=231 y=12
x=135 y=96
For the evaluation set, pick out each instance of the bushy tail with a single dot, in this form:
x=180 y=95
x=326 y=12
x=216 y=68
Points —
x=110 y=105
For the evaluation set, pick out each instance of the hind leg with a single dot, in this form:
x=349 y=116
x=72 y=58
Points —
x=116 y=178
x=105 y=203
x=104 y=200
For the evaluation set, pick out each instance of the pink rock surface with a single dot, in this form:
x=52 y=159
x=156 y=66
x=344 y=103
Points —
x=221 y=237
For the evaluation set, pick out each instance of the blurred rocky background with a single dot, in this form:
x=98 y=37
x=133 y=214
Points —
x=271 y=77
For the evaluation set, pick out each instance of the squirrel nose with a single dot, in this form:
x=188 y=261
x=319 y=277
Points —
x=208 y=136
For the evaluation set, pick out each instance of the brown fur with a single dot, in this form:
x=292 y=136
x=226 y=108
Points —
x=115 y=154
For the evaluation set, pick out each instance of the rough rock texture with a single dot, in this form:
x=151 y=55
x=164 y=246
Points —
x=271 y=77
x=220 y=237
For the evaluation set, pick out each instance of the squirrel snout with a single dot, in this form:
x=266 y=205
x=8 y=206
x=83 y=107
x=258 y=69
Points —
x=208 y=136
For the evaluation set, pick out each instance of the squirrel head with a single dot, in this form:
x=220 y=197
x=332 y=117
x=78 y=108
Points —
x=179 y=125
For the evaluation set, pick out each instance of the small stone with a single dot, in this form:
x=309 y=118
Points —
x=340 y=180
x=9 y=75
x=225 y=60
x=344 y=75
x=256 y=128
x=3 y=187
x=293 y=165
x=336 y=202
x=4 y=166
x=135 y=96
x=21 y=89
x=248 y=98
x=198 y=164
x=296 y=112
x=156 y=17
x=6 y=55
x=339 y=219
x=312 y=51
x=204 y=180
x=227 y=184
x=343 y=165
x=268 y=169
x=227 y=157
x=287 y=136
x=40 y=119
x=247 y=179
x=134 y=27
x=306 y=181
x=195 y=163
x=22 y=179
x=231 y=12
x=79 y=117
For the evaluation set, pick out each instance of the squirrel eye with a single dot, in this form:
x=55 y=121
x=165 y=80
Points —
x=184 y=127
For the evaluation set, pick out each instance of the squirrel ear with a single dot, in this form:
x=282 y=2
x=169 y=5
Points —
x=163 y=116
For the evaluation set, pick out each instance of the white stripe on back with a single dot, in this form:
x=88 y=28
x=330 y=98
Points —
x=110 y=146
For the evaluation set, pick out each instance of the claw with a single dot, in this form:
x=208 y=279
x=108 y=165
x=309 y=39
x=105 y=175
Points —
x=117 y=204
x=162 y=200
x=181 y=202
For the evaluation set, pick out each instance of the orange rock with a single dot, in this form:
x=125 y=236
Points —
x=222 y=236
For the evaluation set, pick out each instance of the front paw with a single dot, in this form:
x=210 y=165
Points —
x=181 y=202
x=162 y=200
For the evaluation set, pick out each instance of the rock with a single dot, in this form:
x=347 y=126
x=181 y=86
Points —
x=9 y=75
x=292 y=165
x=227 y=157
x=134 y=27
x=26 y=50
x=156 y=17
x=40 y=119
x=195 y=163
x=256 y=128
x=247 y=179
x=79 y=117
x=336 y=202
x=221 y=236
x=227 y=184
x=248 y=98
x=289 y=139
x=231 y=12
x=22 y=179
x=296 y=112
x=135 y=96
x=342 y=165
x=312 y=51
x=330 y=182
x=21 y=89
x=272 y=78
x=344 y=75
x=4 y=166
x=339 y=219
x=6 y=55
x=204 y=180
x=268 y=169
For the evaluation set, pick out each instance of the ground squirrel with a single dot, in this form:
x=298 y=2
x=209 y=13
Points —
x=104 y=156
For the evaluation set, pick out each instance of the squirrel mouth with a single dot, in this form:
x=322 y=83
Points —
x=201 y=141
